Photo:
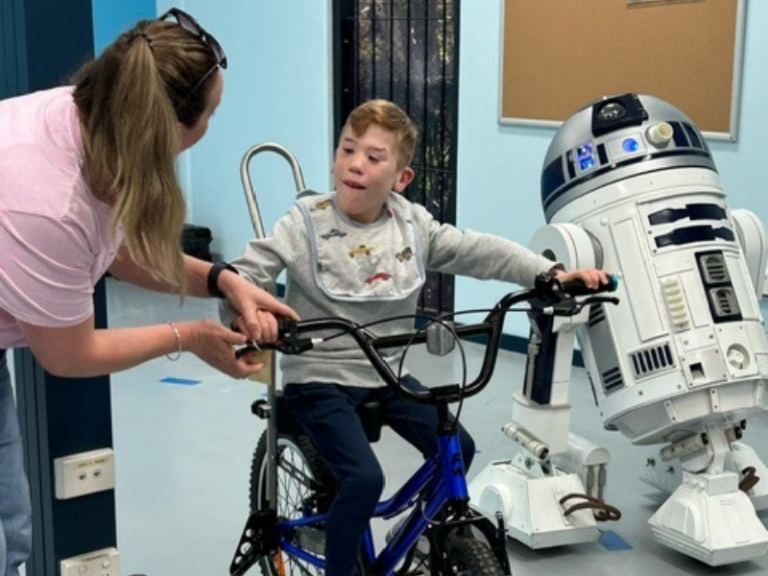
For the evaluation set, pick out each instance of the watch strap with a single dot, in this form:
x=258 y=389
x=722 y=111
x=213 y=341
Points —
x=213 y=278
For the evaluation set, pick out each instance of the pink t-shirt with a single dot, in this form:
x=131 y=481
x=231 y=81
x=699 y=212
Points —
x=54 y=235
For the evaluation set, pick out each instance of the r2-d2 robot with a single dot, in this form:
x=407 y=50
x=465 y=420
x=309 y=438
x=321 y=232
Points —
x=629 y=185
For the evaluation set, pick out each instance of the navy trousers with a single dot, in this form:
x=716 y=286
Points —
x=326 y=411
x=15 y=506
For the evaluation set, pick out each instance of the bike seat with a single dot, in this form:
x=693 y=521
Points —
x=372 y=418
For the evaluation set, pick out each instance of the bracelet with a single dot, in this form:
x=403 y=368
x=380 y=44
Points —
x=178 y=342
x=213 y=278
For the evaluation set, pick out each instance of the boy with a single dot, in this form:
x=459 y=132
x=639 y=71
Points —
x=362 y=252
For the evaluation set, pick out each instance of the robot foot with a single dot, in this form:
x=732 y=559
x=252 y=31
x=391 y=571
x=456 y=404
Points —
x=709 y=518
x=540 y=512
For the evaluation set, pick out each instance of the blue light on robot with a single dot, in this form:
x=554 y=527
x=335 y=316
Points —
x=584 y=151
x=587 y=163
x=630 y=145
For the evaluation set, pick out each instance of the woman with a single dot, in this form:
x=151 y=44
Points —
x=88 y=184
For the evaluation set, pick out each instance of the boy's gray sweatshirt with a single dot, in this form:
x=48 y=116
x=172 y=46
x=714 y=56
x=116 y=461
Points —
x=368 y=273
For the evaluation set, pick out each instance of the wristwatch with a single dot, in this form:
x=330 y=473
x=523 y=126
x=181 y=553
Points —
x=213 y=278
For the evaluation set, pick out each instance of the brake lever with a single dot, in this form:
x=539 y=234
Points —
x=580 y=305
x=290 y=342
x=572 y=307
x=600 y=300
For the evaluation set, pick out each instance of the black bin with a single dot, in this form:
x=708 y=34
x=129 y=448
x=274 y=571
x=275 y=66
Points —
x=196 y=241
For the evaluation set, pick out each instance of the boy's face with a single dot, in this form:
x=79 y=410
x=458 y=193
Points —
x=365 y=171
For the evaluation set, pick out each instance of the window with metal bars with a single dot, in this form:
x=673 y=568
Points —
x=407 y=51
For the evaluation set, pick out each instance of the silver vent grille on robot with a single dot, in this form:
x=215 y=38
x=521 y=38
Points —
x=652 y=360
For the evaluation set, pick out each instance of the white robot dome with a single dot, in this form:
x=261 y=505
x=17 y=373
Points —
x=614 y=138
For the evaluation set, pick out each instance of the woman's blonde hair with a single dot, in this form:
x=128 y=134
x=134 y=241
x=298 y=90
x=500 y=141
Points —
x=390 y=117
x=130 y=101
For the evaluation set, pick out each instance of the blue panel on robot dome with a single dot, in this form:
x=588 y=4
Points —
x=586 y=163
x=584 y=151
x=612 y=541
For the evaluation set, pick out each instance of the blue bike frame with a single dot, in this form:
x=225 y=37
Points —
x=439 y=480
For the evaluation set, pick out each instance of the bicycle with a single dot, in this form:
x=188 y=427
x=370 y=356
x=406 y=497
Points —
x=292 y=487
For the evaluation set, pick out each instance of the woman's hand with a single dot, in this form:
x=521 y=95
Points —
x=214 y=343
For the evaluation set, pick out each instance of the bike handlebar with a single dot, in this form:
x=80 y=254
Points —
x=578 y=288
x=549 y=296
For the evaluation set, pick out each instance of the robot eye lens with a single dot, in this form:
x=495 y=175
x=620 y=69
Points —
x=611 y=111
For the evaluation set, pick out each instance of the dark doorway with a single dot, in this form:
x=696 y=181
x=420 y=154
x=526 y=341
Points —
x=407 y=51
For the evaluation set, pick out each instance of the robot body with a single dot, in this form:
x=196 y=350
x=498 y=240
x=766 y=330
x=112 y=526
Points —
x=687 y=344
x=629 y=185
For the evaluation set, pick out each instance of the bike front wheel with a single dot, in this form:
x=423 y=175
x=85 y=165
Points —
x=466 y=556
x=305 y=486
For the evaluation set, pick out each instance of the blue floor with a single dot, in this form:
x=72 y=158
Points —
x=184 y=436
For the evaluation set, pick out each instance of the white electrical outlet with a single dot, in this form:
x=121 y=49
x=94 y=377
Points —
x=104 y=562
x=84 y=473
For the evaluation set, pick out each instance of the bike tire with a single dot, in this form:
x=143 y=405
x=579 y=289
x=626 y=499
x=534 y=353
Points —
x=466 y=556
x=305 y=485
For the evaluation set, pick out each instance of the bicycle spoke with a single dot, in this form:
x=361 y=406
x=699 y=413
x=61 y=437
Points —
x=297 y=480
x=297 y=474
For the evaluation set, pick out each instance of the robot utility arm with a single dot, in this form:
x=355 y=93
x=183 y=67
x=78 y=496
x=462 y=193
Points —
x=551 y=342
x=542 y=409
x=547 y=355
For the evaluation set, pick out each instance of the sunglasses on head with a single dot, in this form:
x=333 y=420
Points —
x=191 y=25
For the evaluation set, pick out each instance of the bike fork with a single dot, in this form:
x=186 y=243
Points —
x=272 y=446
x=499 y=544
x=495 y=534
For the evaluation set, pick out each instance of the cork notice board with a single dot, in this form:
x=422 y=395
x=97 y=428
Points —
x=560 y=55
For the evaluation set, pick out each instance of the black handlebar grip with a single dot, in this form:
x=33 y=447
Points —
x=285 y=325
x=578 y=288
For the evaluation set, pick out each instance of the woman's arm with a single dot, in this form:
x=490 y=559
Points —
x=83 y=351
x=249 y=300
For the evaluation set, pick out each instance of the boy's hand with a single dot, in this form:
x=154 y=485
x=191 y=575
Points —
x=258 y=308
x=266 y=323
x=592 y=277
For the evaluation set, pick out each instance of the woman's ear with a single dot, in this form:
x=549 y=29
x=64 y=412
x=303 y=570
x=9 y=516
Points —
x=405 y=178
